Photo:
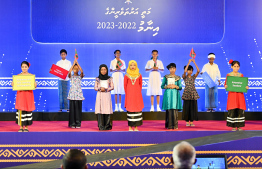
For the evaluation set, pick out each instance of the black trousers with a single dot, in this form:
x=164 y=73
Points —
x=104 y=121
x=236 y=118
x=171 y=119
x=190 y=110
x=75 y=113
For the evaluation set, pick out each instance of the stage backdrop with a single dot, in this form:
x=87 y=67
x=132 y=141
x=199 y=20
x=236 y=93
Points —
x=36 y=30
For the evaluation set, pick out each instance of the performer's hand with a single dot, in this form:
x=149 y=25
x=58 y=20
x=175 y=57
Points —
x=225 y=86
x=247 y=87
x=201 y=73
x=156 y=68
x=12 y=84
x=219 y=82
x=102 y=89
x=193 y=60
x=35 y=84
x=50 y=70
x=117 y=68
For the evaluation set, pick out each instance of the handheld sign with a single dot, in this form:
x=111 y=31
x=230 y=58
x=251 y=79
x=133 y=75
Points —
x=208 y=80
x=171 y=81
x=58 y=71
x=24 y=82
x=237 y=84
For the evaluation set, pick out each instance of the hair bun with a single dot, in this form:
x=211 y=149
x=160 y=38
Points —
x=230 y=61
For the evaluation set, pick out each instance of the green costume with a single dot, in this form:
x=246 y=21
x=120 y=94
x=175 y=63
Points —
x=172 y=98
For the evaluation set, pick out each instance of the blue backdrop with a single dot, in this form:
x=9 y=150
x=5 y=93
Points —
x=36 y=31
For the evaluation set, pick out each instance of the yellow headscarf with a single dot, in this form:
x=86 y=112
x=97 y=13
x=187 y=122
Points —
x=130 y=72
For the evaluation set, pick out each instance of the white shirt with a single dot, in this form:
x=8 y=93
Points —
x=65 y=64
x=114 y=63
x=212 y=71
x=150 y=64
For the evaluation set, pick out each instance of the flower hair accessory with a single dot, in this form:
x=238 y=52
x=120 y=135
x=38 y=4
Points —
x=29 y=64
x=230 y=61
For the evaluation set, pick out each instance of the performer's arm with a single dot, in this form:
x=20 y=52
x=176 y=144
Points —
x=161 y=67
x=141 y=82
x=71 y=69
x=226 y=82
x=218 y=75
x=125 y=83
x=111 y=85
x=163 y=85
x=96 y=86
x=148 y=68
x=179 y=85
x=203 y=69
x=196 y=67
x=185 y=70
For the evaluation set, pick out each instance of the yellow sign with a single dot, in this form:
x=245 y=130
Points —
x=24 y=82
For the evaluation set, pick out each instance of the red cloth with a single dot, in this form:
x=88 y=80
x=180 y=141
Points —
x=235 y=100
x=133 y=99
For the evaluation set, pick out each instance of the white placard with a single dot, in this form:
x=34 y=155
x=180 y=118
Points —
x=104 y=84
x=171 y=81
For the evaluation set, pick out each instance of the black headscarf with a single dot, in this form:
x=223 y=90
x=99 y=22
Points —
x=103 y=77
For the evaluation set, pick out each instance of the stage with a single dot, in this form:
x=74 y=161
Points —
x=50 y=140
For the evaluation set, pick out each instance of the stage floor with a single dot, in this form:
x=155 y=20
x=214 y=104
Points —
x=148 y=125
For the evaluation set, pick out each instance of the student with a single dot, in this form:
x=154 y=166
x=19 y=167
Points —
x=155 y=66
x=117 y=67
x=25 y=103
x=75 y=96
x=63 y=85
x=134 y=101
x=190 y=94
x=103 y=109
x=236 y=104
x=211 y=94
x=171 y=101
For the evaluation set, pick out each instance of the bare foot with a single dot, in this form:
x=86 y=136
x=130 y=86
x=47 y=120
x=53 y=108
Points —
x=136 y=129
x=130 y=129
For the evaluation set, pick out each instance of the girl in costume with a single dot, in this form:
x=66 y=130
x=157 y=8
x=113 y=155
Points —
x=75 y=96
x=103 y=108
x=190 y=94
x=25 y=103
x=172 y=101
x=236 y=104
x=134 y=101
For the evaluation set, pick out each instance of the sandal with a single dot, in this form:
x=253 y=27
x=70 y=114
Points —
x=239 y=129
x=20 y=130
x=234 y=129
x=192 y=125
x=26 y=130
x=187 y=125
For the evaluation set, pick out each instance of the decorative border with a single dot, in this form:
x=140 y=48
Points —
x=47 y=152
x=89 y=82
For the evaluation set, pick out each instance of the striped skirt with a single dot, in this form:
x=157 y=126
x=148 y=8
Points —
x=134 y=119
x=24 y=118
x=236 y=118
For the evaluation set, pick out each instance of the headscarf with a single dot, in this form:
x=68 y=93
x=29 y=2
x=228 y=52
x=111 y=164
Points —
x=211 y=55
x=103 y=77
x=132 y=73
